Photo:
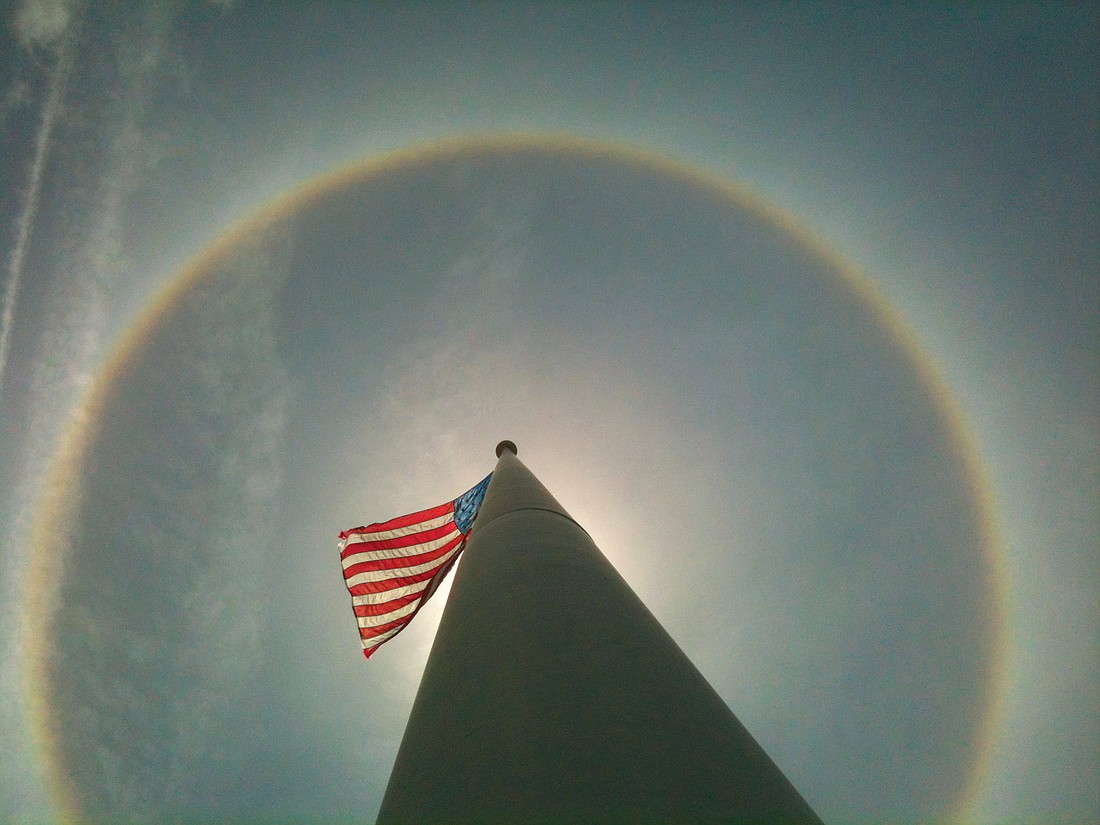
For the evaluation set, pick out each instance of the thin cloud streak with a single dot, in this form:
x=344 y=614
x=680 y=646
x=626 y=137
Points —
x=73 y=311
x=22 y=785
x=32 y=197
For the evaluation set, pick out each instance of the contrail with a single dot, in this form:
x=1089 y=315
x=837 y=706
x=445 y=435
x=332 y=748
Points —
x=51 y=111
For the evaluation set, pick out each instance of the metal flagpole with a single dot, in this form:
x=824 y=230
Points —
x=552 y=694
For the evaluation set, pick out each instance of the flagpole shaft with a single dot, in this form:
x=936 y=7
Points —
x=552 y=694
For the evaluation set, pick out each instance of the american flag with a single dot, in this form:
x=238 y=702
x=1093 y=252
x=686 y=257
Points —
x=392 y=568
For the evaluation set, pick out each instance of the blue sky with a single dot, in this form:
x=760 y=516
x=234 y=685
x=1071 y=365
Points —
x=947 y=154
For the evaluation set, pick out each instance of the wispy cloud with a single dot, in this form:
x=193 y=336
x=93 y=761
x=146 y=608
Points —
x=43 y=24
x=204 y=495
x=39 y=31
x=40 y=27
x=102 y=108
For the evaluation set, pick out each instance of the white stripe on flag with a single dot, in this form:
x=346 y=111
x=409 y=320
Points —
x=408 y=529
x=397 y=572
x=399 y=552
x=374 y=621
x=374 y=641
x=390 y=595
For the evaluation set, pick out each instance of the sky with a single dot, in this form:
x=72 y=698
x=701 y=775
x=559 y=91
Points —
x=792 y=306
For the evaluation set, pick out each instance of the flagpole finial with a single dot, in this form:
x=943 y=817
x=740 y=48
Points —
x=507 y=445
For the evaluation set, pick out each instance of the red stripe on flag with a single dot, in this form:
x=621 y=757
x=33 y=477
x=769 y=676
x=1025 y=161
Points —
x=402 y=521
x=403 y=561
x=397 y=542
x=368 y=633
x=400 y=624
x=364 y=588
x=381 y=608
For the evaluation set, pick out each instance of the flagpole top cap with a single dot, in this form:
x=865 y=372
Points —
x=507 y=445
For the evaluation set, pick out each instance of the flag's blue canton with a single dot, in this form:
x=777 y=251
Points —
x=467 y=505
